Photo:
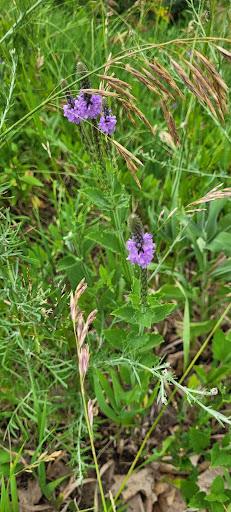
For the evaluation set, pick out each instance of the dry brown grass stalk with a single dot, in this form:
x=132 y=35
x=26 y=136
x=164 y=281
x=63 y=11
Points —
x=205 y=96
x=212 y=195
x=201 y=77
x=162 y=73
x=157 y=82
x=212 y=70
x=128 y=157
x=138 y=112
x=142 y=78
x=170 y=123
x=101 y=93
x=184 y=77
x=128 y=111
x=223 y=51
x=115 y=80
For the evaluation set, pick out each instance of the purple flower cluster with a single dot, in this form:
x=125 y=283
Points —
x=89 y=107
x=86 y=105
x=107 y=123
x=141 y=249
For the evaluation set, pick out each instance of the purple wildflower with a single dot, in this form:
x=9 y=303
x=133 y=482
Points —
x=107 y=123
x=141 y=249
x=71 y=112
x=89 y=106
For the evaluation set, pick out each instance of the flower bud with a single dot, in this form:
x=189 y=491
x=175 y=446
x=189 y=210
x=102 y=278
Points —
x=135 y=225
x=82 y=70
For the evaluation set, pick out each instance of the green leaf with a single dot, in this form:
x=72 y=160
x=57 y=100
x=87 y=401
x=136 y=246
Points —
x=219 y=457
x=98 y=198
x=144 y=343
x=217 y=507
x=126 y=312
x=198 y=500
x=222 y=243
x=153 y=314
x=105 y=239
x=199 y=440
x=5 y=501
x=221 y=346
x=108 y=411
x=116 y=337
x=218 y=485
x=52 y=485
x=189 y=489
x=31 y=180
x=222 y=498
x=67 y=262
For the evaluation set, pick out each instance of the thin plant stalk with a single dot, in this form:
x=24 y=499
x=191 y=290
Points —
x=168 y=402
x=81 y=378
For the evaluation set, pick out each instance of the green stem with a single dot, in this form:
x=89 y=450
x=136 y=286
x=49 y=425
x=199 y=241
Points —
x=168 y=402
x=126 y=266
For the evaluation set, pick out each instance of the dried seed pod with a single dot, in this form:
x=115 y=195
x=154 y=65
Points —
x=162 y=73
x=142 y=78
x=184 y=77
x=170 y=123
x=114 y=80
x=138 y=112
x=157 y=82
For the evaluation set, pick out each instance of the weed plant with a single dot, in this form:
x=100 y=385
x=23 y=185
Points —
x=67 y=193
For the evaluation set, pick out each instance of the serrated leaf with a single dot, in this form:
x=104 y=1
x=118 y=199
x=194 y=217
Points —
x=198 y=439
x=126 y=312
x=154 y=314
x=116 y=337
x=219 y=457
x=98 y=198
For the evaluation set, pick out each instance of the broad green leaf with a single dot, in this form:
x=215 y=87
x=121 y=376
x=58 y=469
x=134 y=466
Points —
x=98 y=198
x=126 y=312
x=199 y=440
x=198 y=500
x=116 y=337
x=217 y=507
x=189 y=488
x=222 y=243
x=144 y=343
x=221 y=346
x=154 y=314
x=105 y=239
x=218 y=485
x=222 y=498
x=67 y=262
x=220 y=457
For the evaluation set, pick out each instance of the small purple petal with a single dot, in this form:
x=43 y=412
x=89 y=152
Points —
x=141 y=254
x=107 y=124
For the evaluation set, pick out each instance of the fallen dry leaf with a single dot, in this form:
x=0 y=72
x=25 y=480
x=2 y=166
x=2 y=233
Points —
x=142 y=481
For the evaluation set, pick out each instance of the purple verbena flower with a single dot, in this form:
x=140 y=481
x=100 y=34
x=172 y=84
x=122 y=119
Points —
x=141 y=249
x=71 y=112
x=107 y=123
x=89 y=107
